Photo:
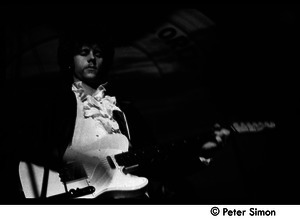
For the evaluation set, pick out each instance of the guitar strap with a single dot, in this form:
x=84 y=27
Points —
x=121 y=120
x=45 y=183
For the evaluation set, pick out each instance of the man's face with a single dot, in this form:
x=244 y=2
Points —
x=87 y=63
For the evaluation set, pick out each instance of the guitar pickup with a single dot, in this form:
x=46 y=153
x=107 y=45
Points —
x=111 y=162
x=120 y=160
x=127 y=159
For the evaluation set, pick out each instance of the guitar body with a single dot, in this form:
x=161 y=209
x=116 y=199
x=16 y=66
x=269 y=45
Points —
x=93 y=166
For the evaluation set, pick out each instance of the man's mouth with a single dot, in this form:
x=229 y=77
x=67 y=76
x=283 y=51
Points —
x=91 y=67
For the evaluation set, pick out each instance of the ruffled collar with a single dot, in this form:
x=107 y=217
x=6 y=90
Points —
x=83 y=90
x=98 y=106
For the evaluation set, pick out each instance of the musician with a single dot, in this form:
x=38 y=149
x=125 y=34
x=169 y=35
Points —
x=48 y=122
x=46 y=118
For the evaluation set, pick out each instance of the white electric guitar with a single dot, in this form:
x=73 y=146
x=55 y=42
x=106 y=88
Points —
x=100 y=169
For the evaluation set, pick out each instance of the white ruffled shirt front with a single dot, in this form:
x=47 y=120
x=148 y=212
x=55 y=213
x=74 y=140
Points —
x=96 y=136
x=94 y=115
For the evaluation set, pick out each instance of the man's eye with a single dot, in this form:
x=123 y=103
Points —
x=98 y=54
x=84 y=52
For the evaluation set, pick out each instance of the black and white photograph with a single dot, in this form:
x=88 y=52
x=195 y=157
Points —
x=153 y=104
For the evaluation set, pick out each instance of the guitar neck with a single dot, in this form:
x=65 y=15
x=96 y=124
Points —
x=137 y=157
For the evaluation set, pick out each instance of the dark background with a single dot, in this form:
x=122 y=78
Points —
x=249 y=74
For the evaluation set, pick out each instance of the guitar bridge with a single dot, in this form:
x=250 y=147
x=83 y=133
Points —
x=75 y=193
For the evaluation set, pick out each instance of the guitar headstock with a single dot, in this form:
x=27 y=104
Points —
x=245 y=127
x=222 y=132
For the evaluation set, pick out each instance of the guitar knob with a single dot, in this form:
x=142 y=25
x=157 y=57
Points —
x=72 y=191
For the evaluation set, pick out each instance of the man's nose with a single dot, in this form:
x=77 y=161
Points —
x=91 y=56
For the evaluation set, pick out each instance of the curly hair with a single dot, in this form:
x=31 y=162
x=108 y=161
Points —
x=72 y=40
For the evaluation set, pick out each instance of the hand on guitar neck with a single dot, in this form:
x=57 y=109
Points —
x=211 y=147
x=189 y=153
